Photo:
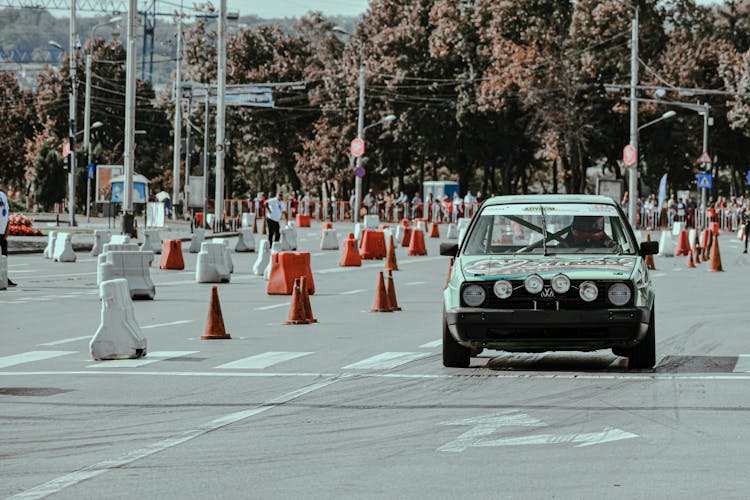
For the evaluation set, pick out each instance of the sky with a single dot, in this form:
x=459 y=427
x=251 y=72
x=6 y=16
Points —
x=296 y=8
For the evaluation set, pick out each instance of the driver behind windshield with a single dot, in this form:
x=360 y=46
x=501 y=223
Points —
x=587 y=231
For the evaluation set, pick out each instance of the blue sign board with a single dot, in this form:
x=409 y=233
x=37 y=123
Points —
x=704 y=181
x=748 y=177
x=91 y=171
x=359 y=172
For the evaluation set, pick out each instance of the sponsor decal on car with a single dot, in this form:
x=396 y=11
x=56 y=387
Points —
x=507 y=267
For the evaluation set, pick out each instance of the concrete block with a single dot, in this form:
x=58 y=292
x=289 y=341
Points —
x=248 y=219
x=3 y=272
x=118 y=335
x=245 y=240
x=211 y=265
x=199 y=236
x=452 y=232
x=264 y=257
x=49 y=250
x=133 y=267
x=371 y=221
x=667 y=245
x=330 y=240
x=151 y=241
x=101 y=237
x=64 y=248
x=120 y=239
x=357 y=231
x=677 y=228
x=112 y=247
x=275 y=248
x=227 y=253
x=399 y=236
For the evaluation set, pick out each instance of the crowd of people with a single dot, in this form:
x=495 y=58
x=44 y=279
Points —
x=727 y=212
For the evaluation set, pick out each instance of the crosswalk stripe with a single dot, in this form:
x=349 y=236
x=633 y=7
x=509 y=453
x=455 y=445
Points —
x=743 y=364
x=28 y=357
x=386 y=361
x=263 y=360
x=151 y=357
x=433 y=344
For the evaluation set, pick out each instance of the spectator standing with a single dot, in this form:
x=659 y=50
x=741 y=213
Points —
x=275 y=208
x=352 y=201
x=745 y=218
x=469 y=202
x=416 y=201
x=4 y=226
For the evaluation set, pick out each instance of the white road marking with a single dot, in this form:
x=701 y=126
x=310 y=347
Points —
x=414 y=283
x=485 y=426
x=31 y=356
x=433 y=344
x=67 y=341
x=581 y=440
x=64 y=275
x=264 y=360
x=159 y=325
x=658 y=275
x=266 y=308
x=743 y=364
x=11 y=266
x=151 y=357
x=386 y=361
x=373 y=266
x=317 y=254
x=352 y=292
x=60 y=483
x=24 y=271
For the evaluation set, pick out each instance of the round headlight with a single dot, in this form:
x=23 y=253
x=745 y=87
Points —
x=560 y=283
x=473 y=295
x=503 y=289
x=588 y=291
x=533 y=283
x=619 y=294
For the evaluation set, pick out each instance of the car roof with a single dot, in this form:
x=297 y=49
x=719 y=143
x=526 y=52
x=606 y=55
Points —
x=551 y=198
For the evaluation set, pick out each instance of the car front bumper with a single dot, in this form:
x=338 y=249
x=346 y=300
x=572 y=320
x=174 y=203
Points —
x=548 y=330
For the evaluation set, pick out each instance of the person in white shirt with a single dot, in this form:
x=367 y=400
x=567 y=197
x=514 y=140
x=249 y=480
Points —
x=4 y=226
x=275 y=208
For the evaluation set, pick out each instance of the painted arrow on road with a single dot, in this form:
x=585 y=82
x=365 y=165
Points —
x=487 y=425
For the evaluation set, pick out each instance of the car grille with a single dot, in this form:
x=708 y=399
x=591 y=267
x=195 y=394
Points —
x=521 y=299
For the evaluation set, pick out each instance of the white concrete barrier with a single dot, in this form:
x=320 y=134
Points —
x=49 y=250
x=211 y=265
x=638 y=235
x=264 y=257
x=210 y=220
x=357 y=231
x=113 y=247
x=151 y=241
x=452 y=232
x=132 y=266
x=399 y=236
x=275 y=248
x=101 y=237
x=245 y=240
x=677 y=228
x=387 y=233
x=199 y=236
x=461 y=235
x=248 y=219
x=284 y=241
x=667 y=246
x=118 y=335
x=120 y=239
x=330 y=240
x=64 y=248
x=3 y=272
x=227 y=254
x=371 y=221
x=463 y=222
x=291 y=235
x=692 y=235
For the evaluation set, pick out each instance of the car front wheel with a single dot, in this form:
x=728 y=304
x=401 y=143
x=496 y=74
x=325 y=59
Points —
x=454 y=354
x=643 y=356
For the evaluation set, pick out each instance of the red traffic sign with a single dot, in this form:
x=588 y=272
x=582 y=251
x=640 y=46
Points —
x=705 y=158
x=629 y=155
x=66 y=148
x=357 y=147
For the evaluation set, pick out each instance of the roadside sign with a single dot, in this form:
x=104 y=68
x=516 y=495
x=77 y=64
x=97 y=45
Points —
x=704 y=181
x=360 y=172
x=629 y=155
x=705 y=158
x=91 y=171
x=357 y=147
x=66 y=149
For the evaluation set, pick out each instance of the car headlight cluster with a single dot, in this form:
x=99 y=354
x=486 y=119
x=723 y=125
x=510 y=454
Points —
x=473 y=295
x=503 y=289
x=619 y=294
x=588 y=291
x=560 y=283
x=533 y=283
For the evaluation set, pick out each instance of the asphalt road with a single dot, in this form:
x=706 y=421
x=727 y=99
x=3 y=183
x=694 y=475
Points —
x=359 y=405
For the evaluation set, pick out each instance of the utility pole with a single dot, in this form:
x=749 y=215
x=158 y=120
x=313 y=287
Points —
x=221 y=77
x=177 y=121
x=73 y=97
x=705 y=150
x=187 y=156
x=360 y=135
x=127 y=195
x=205 y=157
x=87 y=130
x=633 y=174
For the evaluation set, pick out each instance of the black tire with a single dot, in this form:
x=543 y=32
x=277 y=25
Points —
x=454 y=354
x=643 y=356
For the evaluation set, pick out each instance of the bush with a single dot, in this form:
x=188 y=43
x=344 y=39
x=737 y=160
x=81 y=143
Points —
x=20 y=225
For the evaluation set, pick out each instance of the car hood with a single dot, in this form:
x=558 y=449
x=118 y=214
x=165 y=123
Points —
x=487 y=267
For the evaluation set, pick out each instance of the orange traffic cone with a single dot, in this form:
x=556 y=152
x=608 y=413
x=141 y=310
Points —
x=715 y=264
x=698 y=252
x=215 y=322
x=650 y=258
x=705 y=243
x=381 y=297
x=390 y=259
x=434 y=231
x=263 y=231
x=416 y=244
x=297 y=314
x=349 y=253
x=407 y=237
x=306 y=301
x=690 y=262
x=255 y=225
x=392 y=293
x=450 y=270
x=683 y=247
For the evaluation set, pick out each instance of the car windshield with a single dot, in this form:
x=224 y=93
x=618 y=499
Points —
x=549 y=229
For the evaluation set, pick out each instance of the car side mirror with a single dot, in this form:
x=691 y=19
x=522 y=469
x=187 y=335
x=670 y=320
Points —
x=649 y=247
x=449 y=249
